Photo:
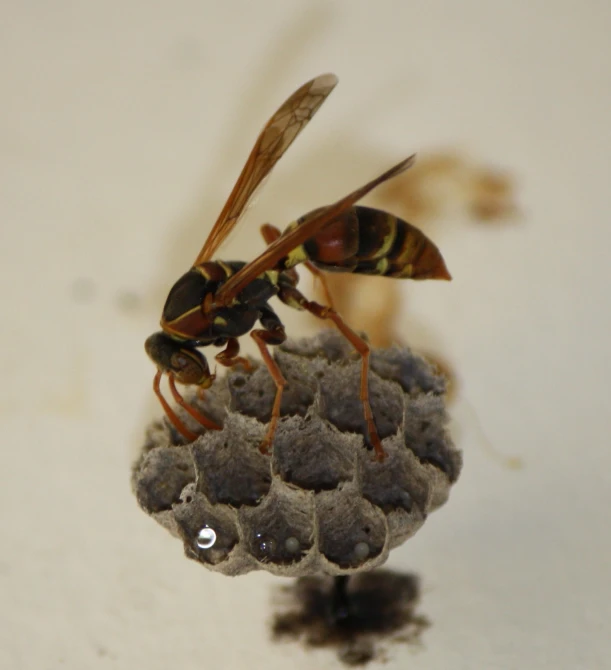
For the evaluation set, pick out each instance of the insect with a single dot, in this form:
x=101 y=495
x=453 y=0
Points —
x=216 y=302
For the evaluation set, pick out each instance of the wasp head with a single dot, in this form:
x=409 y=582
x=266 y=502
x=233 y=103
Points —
x=180 y=359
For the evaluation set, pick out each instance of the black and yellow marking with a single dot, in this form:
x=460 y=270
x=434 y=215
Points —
x=368 y=241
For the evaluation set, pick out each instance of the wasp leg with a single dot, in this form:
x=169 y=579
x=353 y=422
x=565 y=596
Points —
x=229 y=356
x=174 y=420
x=271 y=234
x=294 y=298
x=273 y=334
x=321 y=277
x=198 y=416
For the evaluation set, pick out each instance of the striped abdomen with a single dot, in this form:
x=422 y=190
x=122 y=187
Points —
x=369 y=241
x=183 y=315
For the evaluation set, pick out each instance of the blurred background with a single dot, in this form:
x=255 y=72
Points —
x=122 y=129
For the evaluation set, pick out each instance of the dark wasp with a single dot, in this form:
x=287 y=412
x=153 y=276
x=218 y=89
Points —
x=216 y=302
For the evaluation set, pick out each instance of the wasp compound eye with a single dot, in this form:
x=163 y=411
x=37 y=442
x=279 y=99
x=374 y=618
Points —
x=189 y=366
x=186 y=364
x=319 y=502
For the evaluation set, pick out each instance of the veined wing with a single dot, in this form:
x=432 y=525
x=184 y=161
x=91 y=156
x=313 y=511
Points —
x=277 y=136
x=286 y=243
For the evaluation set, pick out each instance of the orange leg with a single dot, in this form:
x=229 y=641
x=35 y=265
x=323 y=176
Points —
x=273 y=334
x=292 y=296
x=271 y=234
x=176 y=422
x=229 y=356
x=198 y=416
x=320 y=275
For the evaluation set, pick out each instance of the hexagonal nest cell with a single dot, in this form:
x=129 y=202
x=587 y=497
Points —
x=319 y=502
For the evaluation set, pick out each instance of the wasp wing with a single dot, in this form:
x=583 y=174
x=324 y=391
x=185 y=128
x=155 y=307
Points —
x=289 y=241
x=277 y=136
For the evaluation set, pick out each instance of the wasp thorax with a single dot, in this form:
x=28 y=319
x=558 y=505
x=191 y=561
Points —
x=185 y=363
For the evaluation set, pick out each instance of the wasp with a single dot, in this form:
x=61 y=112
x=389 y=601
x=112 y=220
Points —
x=216 y=302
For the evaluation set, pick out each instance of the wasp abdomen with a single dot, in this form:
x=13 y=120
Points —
x=370 y=241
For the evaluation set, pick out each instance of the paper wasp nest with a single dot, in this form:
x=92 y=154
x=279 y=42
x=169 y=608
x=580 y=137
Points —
x=319 y=503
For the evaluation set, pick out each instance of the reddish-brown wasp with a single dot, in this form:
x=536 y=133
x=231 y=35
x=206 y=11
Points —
x=216 y=302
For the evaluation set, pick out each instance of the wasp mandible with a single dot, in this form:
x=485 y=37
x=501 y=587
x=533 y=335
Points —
x=216 y=302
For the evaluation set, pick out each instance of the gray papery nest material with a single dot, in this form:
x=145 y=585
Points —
x=319 y=502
